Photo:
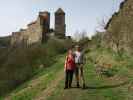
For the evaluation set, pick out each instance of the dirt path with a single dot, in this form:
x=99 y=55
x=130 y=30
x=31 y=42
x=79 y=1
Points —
x=51 y=87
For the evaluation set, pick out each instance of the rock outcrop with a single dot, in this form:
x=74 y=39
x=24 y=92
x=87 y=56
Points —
x=119 y=29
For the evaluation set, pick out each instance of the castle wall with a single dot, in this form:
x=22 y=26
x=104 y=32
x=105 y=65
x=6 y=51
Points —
x=34 y=32
x=39 y=30
x=31 y=35
x=16 y=38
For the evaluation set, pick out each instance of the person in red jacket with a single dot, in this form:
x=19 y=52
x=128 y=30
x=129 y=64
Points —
x=69 y=69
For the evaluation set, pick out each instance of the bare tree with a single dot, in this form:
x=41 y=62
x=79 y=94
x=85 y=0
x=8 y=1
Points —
x=76 y=36
x=98 y=38
x=101 y=25
x=79 y=35
x=83 y=34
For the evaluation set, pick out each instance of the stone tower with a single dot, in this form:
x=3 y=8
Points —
x=45 y=24
x=60 y=26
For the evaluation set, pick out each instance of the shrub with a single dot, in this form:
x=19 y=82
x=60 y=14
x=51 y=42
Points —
x=110 y=72
x=20 y=64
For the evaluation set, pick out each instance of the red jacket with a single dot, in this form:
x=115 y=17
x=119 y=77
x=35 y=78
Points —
x=69 y=63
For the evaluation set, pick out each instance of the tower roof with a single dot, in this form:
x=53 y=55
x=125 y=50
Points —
x=43 y=12
x=60 y=11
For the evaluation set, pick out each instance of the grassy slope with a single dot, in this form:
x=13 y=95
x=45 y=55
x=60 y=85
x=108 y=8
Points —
x=18 y=65
x=100 y=87
x=33 y=88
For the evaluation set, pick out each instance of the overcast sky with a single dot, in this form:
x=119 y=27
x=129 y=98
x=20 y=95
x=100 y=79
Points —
x=80 y=14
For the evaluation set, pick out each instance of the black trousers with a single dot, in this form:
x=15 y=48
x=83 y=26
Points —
x=68 y=78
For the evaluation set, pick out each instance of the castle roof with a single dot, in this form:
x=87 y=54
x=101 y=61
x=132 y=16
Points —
x=43 y=12
x=60 y=11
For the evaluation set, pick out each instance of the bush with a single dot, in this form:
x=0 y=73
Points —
x=5 y=41
x=110 y=72
x=20 y=64
x=15 y=70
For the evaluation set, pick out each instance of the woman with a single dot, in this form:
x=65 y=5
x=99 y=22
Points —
x=69 y=69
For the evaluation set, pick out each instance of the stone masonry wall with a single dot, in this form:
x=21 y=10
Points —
x=28 y=36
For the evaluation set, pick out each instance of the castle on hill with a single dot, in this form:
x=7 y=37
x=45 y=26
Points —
x=39 y=31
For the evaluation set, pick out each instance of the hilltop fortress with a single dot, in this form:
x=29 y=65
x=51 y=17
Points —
x=39 y=31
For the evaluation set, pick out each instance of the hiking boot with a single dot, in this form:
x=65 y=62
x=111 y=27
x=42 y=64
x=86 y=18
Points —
x=70 y=86
x=78 y=85
x=83 y=86
x=66 y=87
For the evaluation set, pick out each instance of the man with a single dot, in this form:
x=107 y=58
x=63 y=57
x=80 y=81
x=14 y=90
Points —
x=79 y=61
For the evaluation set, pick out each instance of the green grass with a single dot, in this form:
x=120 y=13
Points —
x=18 y=65
x=41 y=82
x=99 y=86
